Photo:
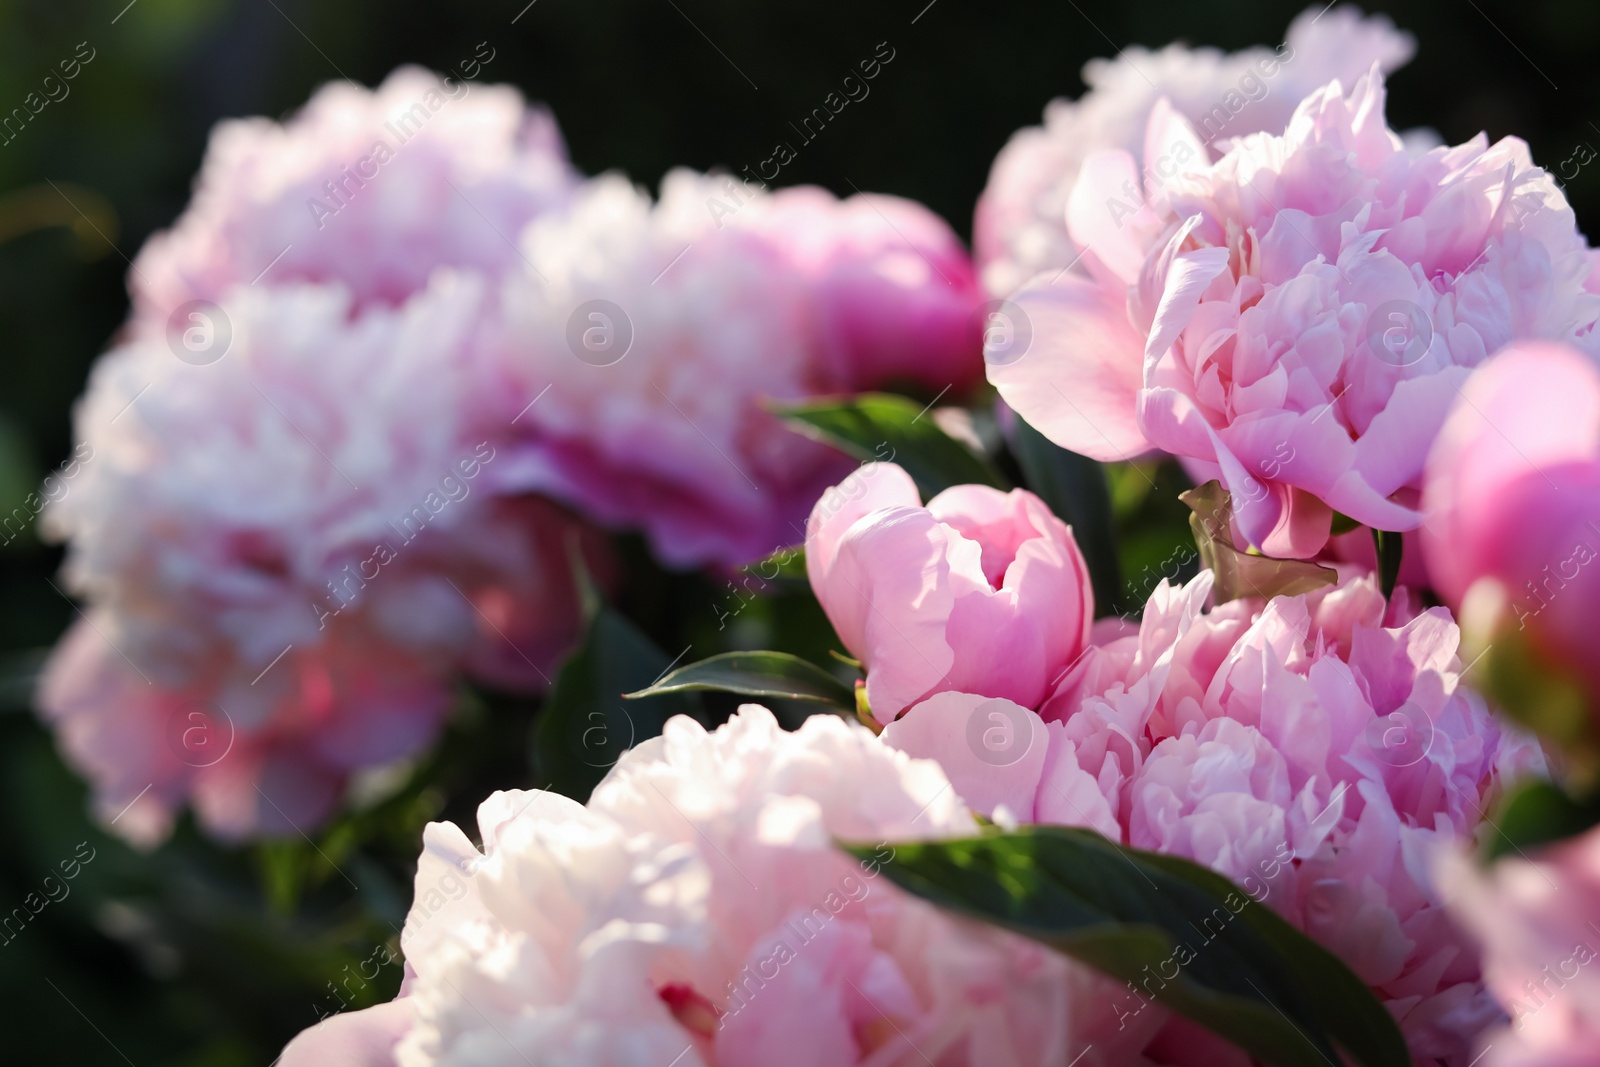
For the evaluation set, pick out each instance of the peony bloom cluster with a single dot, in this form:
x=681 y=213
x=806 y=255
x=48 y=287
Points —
x=1537 y=921
x=1295 y=316
x=1513 y=503
x=1312 y=748
x=699 y=912
x=1021 y=227
x=383 y=338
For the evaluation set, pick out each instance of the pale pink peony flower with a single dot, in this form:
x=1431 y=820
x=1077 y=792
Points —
x=979 y=592
x=304 y=549
x=653 y=417
x=661 y=330
x=352 y=1039
x=370 y=189
x=1538 y=920
x=1312 y=748
x=1296 y=317
x=1021 y=225
x=698 y=911
x=1513 y=501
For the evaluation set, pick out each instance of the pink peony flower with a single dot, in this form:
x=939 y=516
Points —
x=979 y=592
x=1513 y=501
x=698 y=912
x=1537 y=920
x=898 y=296
x=304 y=550
x=1021 y=224
x=1312 y=748
x=1296 y=316
x=372 y=190
x=658 y=336
x=661 y=330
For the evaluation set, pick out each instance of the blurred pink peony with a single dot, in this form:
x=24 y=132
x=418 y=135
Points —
x=1296 y=317
x=1021 y=225
x=1312 y=748
x=658 y=335
x=371 y=189
x=305 y=548
x=661 y=330
x=1513 y=502
x=979 y=592
x=897 y=294
x=1539 y=922
x=699 y=912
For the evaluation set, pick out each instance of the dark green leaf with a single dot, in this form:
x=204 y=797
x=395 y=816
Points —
x=586 y=723
x=1075 y=488
x=757 y=674
x=1185 y=936
x=1538 y=813
x=1389 y=546
x=892 y=429
x=1239 y=573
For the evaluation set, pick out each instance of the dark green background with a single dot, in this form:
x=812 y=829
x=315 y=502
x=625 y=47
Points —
x=199 y=956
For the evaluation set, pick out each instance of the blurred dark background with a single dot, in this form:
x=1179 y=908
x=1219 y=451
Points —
x=200 y=956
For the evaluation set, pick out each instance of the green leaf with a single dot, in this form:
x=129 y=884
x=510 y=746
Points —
x=1537 y=813
x=1342 y=524
x=1184 y=936
x=586 y=723
x=1388 y=546
x=757 y=674
x=892 y=429
x=788 y=563
x=1239 y=573
x=1075 y=488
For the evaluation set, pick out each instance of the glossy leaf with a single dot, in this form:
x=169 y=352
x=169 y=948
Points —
x=1184 y=936
x=757 y=674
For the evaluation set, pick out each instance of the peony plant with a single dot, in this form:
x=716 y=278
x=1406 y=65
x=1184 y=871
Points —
x=421 y=454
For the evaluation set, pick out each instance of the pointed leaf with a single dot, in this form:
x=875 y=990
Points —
x=757 y=674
